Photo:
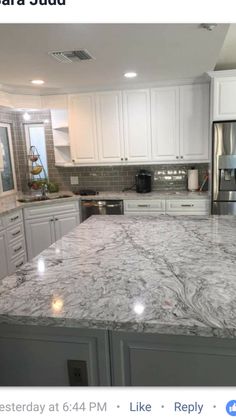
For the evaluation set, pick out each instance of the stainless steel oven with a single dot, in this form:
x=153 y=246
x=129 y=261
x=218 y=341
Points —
x=100 y=207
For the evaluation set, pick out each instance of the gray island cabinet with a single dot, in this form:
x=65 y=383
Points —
x=125 y=300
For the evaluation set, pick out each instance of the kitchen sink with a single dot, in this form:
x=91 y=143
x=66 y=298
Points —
x=42 y=198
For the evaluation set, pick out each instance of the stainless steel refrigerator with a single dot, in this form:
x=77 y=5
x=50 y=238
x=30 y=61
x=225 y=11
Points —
x=224 y=168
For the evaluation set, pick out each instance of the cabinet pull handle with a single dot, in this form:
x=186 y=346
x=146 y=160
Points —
x=17 y=249
x=187 y=205
x=16 y=233
x=15 y=218
x=19 y=264
x=144 y=205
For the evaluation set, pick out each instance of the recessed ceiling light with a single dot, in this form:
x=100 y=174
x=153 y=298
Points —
x=37 y=82
x=130 y=74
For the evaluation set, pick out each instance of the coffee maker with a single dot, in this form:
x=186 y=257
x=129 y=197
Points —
x=143 y=181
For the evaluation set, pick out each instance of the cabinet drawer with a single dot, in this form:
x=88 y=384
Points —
x=187 y=206
x=15 y=233
x=38 y=211
x=2 y=223
x=144 y=206
x=13 y=218
x=16 y=249
x=16 y=263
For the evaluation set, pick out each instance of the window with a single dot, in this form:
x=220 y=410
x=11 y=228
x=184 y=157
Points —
x=7 y=178
x=35 y=136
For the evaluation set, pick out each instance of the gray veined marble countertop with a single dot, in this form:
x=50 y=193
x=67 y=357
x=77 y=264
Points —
x=173 y=275
x=9 y=205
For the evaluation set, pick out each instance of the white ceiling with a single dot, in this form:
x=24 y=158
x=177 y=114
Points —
x=227 y=57
x=156 y=52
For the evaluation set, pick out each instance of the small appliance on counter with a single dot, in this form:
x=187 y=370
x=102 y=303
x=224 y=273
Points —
x=193 y=185
x=143 y=181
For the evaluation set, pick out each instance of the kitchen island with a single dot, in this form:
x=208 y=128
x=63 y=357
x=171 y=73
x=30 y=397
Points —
x=142 y=300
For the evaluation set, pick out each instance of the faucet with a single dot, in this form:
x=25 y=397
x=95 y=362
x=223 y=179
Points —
x=44 y=189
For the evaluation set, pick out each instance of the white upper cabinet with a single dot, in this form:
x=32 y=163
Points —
x=82 y=128
x=194 y=122
x=113 y=127
x=165 y=123
x=224 y=98
x=137 y=129
x=110 y=126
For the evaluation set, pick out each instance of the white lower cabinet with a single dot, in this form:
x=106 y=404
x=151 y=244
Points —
x=65 y=223
x=169 y=206
x=12 y=243
x=46 y=224
x=187 y=207
x=144 y=207
x=3 y=255
x=40 y=234
x=143 y=359
x=51 y=356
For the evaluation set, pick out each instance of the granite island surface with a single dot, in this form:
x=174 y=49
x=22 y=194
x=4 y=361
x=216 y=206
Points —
x=165 y=274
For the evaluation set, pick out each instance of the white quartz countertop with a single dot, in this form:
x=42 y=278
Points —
x=164 y=274
x=8 y=205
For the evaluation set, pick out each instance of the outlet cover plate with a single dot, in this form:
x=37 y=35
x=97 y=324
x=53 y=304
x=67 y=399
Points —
x=74 y=180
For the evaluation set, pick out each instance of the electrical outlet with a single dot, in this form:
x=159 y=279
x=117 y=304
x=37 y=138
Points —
x=74 y=180
x=77 y=371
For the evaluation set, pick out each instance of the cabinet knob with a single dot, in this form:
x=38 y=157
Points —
x=122 y=159
x=56 y=219
x=126 y=159
x=181 y=157
x=52 y=219
x=177 y=157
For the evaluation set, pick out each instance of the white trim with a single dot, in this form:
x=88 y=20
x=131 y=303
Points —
x=6 y=193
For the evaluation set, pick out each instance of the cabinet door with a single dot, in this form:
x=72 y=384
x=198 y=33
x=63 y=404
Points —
x=3 y=256
x=40 y=234
x=82 y=128
x=65 y=223
x=224 y=98
x=110 y=127
x=165 y=123
x=143 y=359
x=194 y=122
x=137 y=126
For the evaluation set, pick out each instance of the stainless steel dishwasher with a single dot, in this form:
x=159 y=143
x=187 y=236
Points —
x=100 y=207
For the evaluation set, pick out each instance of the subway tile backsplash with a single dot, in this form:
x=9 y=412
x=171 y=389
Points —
x=117 y=178
x=102 y=178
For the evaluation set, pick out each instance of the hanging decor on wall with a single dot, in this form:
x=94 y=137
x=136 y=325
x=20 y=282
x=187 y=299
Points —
x=38 y=175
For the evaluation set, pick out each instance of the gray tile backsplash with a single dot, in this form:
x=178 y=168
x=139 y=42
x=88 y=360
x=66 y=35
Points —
x=102 y=178
x=116 y=178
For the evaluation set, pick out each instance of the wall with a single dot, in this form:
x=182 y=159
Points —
x=105 y=178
